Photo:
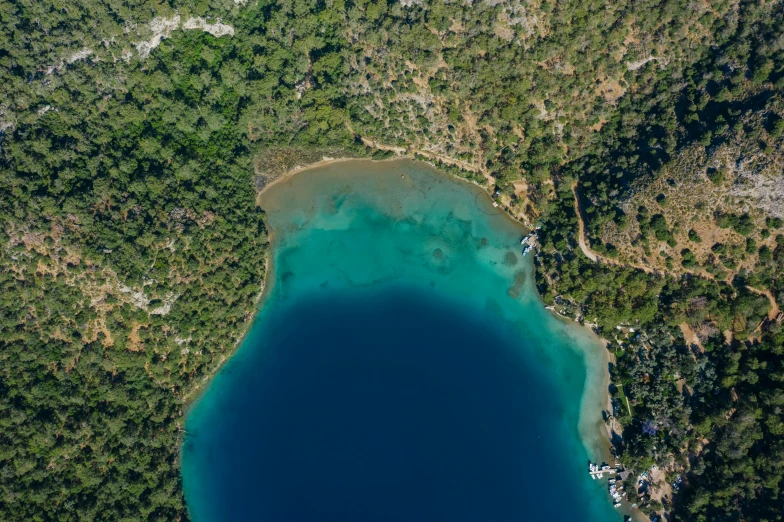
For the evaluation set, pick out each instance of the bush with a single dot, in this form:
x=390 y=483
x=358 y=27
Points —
x=660 y=228
x=729 y=262
x=716 y=176
x=725 y=220
x=689 y=260
x=743 y=225
x=777 y=129
x=774 y=223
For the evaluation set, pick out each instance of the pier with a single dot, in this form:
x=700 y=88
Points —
x=602 y=471
x=597 y=471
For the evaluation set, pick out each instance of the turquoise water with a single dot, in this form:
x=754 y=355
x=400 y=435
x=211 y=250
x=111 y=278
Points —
x=402 y=368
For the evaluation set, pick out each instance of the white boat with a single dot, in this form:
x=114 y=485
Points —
x=529 y=239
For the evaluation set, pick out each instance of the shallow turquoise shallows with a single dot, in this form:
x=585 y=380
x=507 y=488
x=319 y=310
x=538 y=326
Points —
x=401 y=368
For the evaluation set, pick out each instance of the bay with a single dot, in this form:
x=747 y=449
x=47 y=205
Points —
x=401 y=367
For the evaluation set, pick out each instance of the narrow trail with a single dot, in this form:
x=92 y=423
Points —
x=773 y=313
x=380 y=146
x=592 y=255
x=410 y=151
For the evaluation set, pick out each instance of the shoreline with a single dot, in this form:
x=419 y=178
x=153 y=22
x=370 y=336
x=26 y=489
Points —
x=325 y=161
x=595 y=435
x=194 y=394
x=593 y=431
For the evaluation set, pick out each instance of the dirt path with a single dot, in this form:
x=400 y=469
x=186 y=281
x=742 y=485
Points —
x=380 y=146
x=690 y=336
x=596 y=257
x=590 y=254
x=410 y=151
x=774 y=311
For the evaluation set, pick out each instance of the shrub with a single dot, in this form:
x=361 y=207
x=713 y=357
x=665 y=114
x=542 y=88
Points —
x=743 y=225
x=725 y=220
x=660 y=228
x=729 y=262
x=777 y=129
x=689 y=260
x=774 y=223
x=716 y=176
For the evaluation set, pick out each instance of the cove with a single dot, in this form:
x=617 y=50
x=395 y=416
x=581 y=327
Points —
x=401 y=367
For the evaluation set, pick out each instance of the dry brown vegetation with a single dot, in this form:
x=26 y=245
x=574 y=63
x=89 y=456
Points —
x=552 y=81
x=749 y=181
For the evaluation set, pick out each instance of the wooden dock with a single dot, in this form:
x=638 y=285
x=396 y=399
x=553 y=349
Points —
x=601 y=472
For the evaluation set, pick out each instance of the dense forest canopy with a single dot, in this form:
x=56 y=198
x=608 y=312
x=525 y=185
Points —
x=134 y=135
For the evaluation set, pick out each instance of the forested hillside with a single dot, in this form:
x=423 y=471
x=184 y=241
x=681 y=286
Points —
x=682 y=200
x=133 y=137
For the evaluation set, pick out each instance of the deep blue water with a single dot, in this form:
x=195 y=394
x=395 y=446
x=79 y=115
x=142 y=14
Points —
x=401 y=369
